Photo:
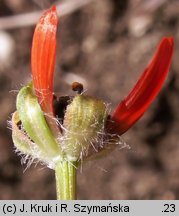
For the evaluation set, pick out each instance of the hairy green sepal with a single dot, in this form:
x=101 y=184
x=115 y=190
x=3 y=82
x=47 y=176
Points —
x=35 y=124
x=23 y=143
x=83 y=124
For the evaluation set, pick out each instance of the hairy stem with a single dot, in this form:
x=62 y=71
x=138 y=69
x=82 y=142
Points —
x=65 y=173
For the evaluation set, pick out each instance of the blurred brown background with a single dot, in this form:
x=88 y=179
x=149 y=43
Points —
x=105 y=45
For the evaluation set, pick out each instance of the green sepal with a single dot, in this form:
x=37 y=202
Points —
x=20 y=139
x=35 y=124
x=22 y=142
x=83 y=124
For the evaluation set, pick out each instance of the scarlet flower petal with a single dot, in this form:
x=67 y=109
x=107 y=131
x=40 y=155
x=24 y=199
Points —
x=43 y=58
x=145 y=90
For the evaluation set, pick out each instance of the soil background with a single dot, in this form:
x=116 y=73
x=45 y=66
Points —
x=105 y=45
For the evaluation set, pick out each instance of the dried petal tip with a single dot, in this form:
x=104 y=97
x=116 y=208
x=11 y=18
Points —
x=49 y=16
x=53 y=8
x=43 y=58
x=145 y=90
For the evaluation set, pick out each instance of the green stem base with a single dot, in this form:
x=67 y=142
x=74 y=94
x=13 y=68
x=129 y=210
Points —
x=65 y=173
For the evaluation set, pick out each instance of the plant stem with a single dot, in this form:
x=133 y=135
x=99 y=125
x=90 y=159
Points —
x=65 y=173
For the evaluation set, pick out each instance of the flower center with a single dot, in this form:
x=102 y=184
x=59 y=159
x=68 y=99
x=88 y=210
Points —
x=60 y=104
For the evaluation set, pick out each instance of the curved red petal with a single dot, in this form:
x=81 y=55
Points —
x=43 y=58
x=145 y=90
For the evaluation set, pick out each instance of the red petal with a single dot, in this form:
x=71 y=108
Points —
x=145 y=90
x=43 y=58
